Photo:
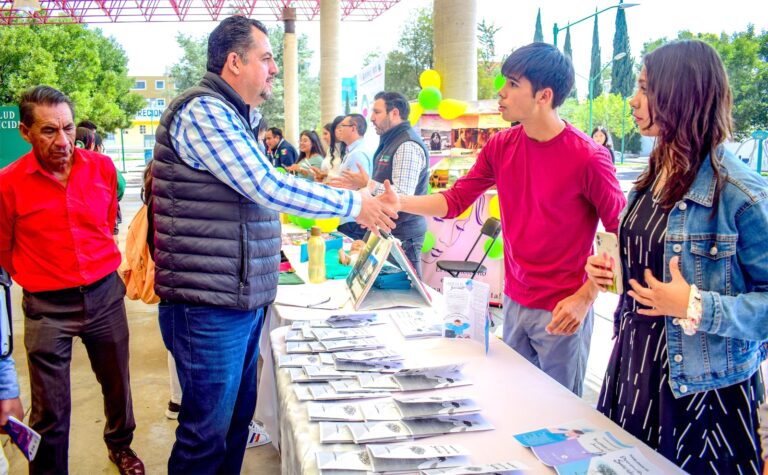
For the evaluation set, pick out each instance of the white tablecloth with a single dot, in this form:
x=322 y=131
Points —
x=514 y=395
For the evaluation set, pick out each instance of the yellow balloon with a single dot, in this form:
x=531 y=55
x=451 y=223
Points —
x=415 y=114
x=465 y=214
x=493 y=208
x=450 y=109
x=328 y=224
x=430 y=77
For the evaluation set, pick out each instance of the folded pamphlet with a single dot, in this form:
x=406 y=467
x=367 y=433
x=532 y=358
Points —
x=26 y=439
x=370 y=432
x=300 y=360
x=571 y=447
x=498 y=468
x=417 y=323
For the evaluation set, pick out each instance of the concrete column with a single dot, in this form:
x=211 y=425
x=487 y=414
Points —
x=291 y=77
x=455 y=47
x=330 y=79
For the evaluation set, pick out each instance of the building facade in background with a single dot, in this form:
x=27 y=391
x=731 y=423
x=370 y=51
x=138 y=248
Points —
x=140 y=136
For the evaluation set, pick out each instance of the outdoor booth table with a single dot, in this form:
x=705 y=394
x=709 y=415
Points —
x=513 y=394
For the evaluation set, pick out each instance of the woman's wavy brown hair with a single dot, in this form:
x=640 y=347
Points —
x=690 y=101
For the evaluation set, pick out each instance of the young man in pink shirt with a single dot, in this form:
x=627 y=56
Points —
x=554 y=184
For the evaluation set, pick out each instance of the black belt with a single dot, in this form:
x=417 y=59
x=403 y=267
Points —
x=72 y=291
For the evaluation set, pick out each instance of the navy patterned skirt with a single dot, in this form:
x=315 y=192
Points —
x=708 y=432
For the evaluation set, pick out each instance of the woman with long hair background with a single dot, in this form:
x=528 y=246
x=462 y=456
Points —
x=311 y=155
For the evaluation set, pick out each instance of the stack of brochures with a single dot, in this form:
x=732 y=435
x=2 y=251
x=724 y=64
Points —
x=575 y=448
x=417 y=323
x=393 y=409
x=393 y=458
x=390 y=431
x=498 y=468
x=377 y=361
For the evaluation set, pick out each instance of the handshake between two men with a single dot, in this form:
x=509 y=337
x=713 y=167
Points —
x=377 y=212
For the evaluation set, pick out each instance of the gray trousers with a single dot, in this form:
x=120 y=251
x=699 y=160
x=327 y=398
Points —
x=564 y=358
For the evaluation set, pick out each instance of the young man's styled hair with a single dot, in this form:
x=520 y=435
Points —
x=43 y=96
x=394 y=100
x=545 y=67
x=232 y=34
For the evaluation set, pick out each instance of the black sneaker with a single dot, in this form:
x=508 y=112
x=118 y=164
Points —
x=173 y=410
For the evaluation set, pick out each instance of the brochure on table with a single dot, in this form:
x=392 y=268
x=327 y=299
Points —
x=575 y=448
x=365 y=296
x=466 y=302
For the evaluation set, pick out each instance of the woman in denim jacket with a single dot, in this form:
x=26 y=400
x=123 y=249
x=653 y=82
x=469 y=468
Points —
x=684 y=373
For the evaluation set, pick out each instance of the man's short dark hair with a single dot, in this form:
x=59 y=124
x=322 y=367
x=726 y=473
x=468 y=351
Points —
x=87 y=124
x=545 y=67
x=232 y=35
x=360 y=123
x=41 y=96
x=394 y=100
x=275 y=132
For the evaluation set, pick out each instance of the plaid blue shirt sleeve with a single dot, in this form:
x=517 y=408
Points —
x=209 y=135
x=406 y=166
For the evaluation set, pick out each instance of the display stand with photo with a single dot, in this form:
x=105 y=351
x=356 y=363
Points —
x=378 y=253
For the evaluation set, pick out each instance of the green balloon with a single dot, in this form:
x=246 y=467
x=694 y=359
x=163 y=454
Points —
x=429 y=242
x=498 y=82
x=281 y=170
x=305 y=223
x=497 y=250
x=430 y=98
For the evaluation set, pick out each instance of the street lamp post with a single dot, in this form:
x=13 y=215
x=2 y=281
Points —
x=618 y=57
x=556 y=30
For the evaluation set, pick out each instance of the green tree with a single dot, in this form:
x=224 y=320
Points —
x=594 y=67
x=538 y=35
x=487 y=66
x=84 y=64
x=568 y=51
x=745 y=56
x=191 y=67
x=412 y=56
x=607 y=111
x=622 y=74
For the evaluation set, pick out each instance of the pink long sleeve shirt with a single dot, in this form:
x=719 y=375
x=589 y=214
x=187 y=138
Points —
x=551 y=195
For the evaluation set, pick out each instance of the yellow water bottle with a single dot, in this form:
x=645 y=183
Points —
x=316 y=251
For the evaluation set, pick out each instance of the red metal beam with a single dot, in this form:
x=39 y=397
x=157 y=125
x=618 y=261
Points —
x=128 y=11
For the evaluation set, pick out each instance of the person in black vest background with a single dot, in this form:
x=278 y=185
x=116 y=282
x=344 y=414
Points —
x=401 y=158
x=215 y=198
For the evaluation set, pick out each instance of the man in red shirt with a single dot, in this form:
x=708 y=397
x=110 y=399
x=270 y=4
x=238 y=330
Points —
x=58 y=206
x=554 y=183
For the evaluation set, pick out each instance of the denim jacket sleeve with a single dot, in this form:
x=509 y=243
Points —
x=9 y=385
x=744 y=316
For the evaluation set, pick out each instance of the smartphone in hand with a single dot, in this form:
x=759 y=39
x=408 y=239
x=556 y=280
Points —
x=608 y=243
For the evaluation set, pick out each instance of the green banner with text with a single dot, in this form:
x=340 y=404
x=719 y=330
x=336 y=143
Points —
x=13 y=146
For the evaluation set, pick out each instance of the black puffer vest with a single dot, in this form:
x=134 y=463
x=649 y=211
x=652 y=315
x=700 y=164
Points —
x=212 y=245
x=407 y=225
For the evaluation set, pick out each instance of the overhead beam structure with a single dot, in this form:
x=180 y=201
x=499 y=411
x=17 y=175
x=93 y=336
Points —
x=26 y=12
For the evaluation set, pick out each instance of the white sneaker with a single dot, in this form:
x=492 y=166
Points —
x=257 y=435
